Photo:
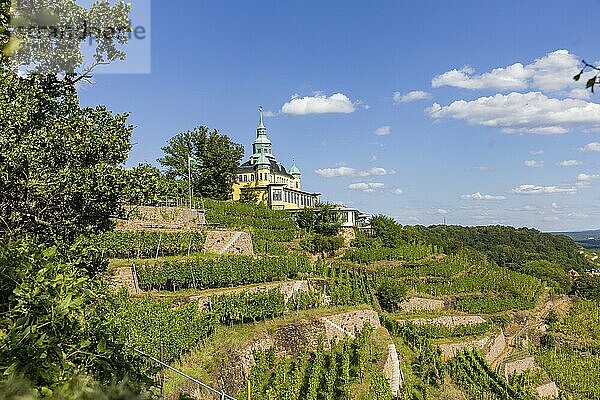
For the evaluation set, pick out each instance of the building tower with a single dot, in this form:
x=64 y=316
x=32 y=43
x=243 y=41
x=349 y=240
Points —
x=262 y=144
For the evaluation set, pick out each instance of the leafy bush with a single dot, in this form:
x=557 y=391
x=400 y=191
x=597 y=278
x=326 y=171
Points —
x=390 y=293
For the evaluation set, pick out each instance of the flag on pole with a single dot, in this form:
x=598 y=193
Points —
x=194 y=163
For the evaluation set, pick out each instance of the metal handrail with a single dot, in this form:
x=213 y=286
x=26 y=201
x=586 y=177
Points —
x=222 y=394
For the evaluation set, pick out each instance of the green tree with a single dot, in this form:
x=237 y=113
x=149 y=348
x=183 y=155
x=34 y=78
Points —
x=53 y=323
x=390 y=293
x=61 y=172
x=45 y=36
x=388 y=230
x=588 y=287
x=219 y=157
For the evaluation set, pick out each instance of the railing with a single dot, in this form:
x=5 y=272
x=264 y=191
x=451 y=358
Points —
x=222 y=395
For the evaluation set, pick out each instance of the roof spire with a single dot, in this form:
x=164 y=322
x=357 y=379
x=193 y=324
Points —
x=260 y=124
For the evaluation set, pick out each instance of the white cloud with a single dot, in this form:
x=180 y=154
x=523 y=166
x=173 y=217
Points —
x=587 y=177
x=415 y=95
x=533 y=163
x=343 y=171
x=383 y=130
x=551 y=73
x=377 y=171
x=554 y=205
x=536 y=152
x=270 y=113
x=442 y=211
x=512 y=77
x=479 y=196
x=335 y=172
x=531 y=112
x=367 y=187
x=535 y=189
x=481 y=168
x=569 y=163
x=397 y=191
x=319 y=104
x=593 y=146
x=373 y=158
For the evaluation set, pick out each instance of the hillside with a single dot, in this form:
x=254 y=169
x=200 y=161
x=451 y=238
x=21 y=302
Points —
x=588 y=239
x=449 y=320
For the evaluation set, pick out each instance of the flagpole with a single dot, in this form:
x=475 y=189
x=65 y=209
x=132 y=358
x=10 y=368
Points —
x=190 y=180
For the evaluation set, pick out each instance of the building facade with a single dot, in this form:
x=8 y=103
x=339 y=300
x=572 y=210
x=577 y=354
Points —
x=263 y=177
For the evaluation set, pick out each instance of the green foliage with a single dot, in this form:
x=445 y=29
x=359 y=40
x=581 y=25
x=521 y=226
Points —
x=144 y=244
x=322 y=374
x=575 y=372
x=349 y=286
x=587 y=287
x=547 y=340
x=245 y=306
x=507 y=246
x=220 y=158
x=60 y=164
x=549 y=272
x=470 y=371
x=271 y=230
x=407 y=252
x=322 y=244
x=390 y=293
x=327 y=220
x=306 y=219
x=387 y=230
x=79 y=387
x=53 y=322
x=203 y=272
x=151 y=325
x=478 y=286
x=44 y=41
x=582 y=323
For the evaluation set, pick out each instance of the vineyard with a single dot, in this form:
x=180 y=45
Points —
x=477 y=286
x=206 y=271
x=582 y=323
x=144 y=244
x=576 y=372
x=473 y=374
x=323 y=374
x=271 y=230
x=409 y=252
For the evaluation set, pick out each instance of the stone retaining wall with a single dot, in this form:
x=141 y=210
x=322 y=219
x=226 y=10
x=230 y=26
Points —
x=419 y=303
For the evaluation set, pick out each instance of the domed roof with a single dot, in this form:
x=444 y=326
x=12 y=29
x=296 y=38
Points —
x=294 y=170
x=262 y=140
x=263 y=160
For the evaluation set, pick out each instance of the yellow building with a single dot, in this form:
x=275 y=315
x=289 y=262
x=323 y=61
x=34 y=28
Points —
x=268 y=179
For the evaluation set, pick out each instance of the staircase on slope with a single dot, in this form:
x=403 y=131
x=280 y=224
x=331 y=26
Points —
x=228 y=242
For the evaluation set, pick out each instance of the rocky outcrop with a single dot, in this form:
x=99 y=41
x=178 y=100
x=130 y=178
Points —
x=228 y=242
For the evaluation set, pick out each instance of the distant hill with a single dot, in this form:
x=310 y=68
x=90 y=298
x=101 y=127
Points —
x=587 y=239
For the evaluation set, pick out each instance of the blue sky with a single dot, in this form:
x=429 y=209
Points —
x=419 y=110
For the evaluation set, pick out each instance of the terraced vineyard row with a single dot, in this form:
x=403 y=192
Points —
x=144 y=244
x=318 y=375
x=203 y=272
x=479 y=287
